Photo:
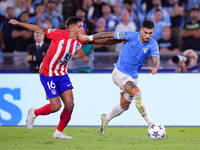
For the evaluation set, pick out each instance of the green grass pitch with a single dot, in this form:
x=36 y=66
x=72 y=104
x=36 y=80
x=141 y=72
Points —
x=88 y=138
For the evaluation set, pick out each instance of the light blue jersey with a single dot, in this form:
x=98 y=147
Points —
x=134 y=52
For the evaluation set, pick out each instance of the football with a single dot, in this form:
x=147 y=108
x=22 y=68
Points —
x=156 y=131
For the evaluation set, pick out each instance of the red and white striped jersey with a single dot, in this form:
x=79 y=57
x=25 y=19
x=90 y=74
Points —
x=60 y=52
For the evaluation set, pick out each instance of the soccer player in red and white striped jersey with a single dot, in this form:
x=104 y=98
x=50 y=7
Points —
x=53 y=70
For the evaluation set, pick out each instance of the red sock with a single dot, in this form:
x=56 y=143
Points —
x=64 y=119
x=45 y=110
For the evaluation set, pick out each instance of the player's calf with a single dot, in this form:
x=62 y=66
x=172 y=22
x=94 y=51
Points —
x=142 y=108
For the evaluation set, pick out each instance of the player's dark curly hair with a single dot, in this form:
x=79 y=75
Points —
x=72 y=20
x=148 y=24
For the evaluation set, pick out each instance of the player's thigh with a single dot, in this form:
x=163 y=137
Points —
x=55 y=103
x=50 y=87
x=68 y=99
x=52 y=94
x=131 y=88
x=117 y=78
x=63 y=83
x=121 y=80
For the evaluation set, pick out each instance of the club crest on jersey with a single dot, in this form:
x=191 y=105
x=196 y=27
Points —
x=53 y=91
x=145 y=49
x=78 y=46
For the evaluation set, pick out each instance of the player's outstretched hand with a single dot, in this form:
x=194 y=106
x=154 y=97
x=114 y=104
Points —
x=83 y=37
x=153 y=71
x=13 y=21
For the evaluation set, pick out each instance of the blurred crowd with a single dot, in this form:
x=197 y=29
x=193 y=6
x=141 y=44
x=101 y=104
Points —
x=177 y=22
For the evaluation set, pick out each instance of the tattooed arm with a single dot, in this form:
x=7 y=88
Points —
x=101 y=38
x=100 y=35
x=106 y=41
x=156 y=66
x=156 y=61
x=31 y=27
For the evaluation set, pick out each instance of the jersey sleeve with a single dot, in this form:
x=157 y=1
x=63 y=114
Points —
x=123 y=35
x=155 y=50
x=52 y=33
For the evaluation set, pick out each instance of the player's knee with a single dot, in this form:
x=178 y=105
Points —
x=126 y=106
x=56 y=107
x=69 y=106
x=138 y=96
x=128 y=97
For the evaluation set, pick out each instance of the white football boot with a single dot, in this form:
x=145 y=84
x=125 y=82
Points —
x=30 y=118
x=103 y=124
x=60 y=135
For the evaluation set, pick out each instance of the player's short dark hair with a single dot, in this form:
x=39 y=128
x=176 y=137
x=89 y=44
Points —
x=72 y=20
x=148 y=24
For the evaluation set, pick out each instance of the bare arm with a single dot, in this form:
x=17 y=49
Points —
x=28 y=34
x=156 y=61
x=80 y=54
x=186 y=33
x=107 y=41
x=16 y=34
x=2 y=41
x=193 y=33
x=31 y=27
x=178 y=10
x=100 y=35
x=181 y=67
x=156 y=66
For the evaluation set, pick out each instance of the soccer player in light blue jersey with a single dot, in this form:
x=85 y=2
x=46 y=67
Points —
x=133 y=53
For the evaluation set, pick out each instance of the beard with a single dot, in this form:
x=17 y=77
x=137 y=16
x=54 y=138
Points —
x=145 y=40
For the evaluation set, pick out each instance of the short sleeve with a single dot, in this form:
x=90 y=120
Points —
x=155 y=50
x=123 y=35
x=52 y=33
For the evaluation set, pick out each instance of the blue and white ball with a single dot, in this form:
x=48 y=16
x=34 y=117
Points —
x=156 y=131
